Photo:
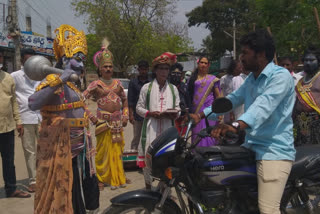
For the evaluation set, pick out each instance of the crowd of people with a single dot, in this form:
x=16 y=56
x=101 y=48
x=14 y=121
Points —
x=276 y=107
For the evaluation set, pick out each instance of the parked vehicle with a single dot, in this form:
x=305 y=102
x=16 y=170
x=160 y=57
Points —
x=217 y=180
x=125 y=84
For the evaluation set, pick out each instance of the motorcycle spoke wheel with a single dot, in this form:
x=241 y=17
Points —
x=130 y=210
x=136 y=210
x=139 y=209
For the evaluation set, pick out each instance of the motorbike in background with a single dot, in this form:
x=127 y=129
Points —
x=220 y=179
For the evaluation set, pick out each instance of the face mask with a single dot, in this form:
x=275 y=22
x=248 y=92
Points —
x=1 y=65
x=175 y=79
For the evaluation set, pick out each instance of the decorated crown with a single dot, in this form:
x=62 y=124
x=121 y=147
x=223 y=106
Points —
x=104 y=55
x=68 y=45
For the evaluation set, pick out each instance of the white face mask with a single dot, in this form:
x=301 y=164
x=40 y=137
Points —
x=1 y=65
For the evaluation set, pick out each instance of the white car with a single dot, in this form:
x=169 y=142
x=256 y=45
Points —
x=125 y=84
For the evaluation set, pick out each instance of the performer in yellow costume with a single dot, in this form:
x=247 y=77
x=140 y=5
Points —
x=112 y=114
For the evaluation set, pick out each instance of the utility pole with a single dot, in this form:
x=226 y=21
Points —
x=234 y=40
x=15 y=34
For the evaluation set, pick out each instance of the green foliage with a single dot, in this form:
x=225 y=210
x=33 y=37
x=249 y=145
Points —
x=135 y=28
x=94 y=44
x=292 y=23
x=218 y=17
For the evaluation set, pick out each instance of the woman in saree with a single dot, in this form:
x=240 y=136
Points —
x=204 y=89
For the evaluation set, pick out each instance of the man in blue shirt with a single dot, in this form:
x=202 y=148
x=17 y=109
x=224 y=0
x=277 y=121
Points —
x=268 y=97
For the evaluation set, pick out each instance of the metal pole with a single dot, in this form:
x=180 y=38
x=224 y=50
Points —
x=234 y=40
x=4 y=15
x=15 y=33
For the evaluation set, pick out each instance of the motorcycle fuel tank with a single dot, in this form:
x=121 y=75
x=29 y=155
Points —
x=216 y=170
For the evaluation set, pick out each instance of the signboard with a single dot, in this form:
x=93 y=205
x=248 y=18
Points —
x=5 y=39
x=40 y=44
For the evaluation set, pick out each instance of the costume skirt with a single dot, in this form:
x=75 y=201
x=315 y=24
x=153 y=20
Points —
x=109 y=163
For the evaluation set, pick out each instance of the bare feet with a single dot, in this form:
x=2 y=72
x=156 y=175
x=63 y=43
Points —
x=101 y=186
x=128 y=181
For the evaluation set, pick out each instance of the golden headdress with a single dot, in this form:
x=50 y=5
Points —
x=165 y=58
x=104 y=55
x=71 y=44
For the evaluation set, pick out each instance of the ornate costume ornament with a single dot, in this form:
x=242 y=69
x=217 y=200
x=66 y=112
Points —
x=71 y=44
x=165 y=58
x=104 y=55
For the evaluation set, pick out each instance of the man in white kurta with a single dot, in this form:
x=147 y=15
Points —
x=155 y=98
x=25 y=87
x=229 y=83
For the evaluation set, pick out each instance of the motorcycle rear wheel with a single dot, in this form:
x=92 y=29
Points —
x=137 y=209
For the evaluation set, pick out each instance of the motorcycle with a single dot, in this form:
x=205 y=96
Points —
x=220 y=179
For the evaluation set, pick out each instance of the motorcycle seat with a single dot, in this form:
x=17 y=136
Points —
x=228 y=152
x=305 y=156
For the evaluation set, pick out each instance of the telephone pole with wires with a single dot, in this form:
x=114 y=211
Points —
x=14 y=32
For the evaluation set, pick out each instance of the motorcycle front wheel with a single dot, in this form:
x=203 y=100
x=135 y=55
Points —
x=138 y=209
x=294 y=205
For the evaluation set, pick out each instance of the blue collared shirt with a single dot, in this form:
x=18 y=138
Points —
x=268 y=103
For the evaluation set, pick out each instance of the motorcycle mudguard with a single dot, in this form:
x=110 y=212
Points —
x=145 y=197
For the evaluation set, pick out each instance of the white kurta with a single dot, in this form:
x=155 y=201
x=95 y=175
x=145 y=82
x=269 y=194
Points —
x=160 y=100
x=228 y=84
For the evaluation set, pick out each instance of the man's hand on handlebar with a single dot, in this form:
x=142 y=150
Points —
x=221 y=130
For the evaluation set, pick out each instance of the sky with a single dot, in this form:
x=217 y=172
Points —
x=59 y=12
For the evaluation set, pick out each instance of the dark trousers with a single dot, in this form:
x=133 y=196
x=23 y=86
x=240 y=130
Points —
x=90 y=188
x=8 y=168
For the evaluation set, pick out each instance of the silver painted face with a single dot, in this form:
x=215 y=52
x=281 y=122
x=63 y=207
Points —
x=310 y=63
x=76 y=63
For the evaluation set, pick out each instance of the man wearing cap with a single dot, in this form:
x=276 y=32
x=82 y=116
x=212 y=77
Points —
x=25 y=87
x=155 y=99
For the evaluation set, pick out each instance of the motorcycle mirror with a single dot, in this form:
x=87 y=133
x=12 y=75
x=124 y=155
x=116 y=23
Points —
x=221 y=105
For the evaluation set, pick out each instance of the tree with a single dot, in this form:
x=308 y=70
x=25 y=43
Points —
x=292 y=23
x=133 y=27
x=94 y=44
x=218 y=17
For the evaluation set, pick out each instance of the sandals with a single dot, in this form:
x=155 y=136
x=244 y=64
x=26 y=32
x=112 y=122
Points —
x=19 y=194
x=31 y=188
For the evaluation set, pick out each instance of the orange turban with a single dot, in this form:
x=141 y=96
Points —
x=165 y=58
